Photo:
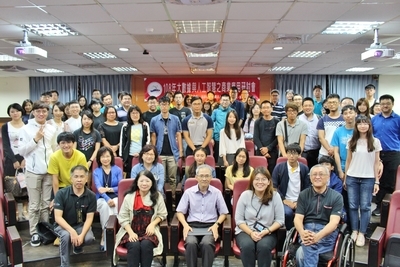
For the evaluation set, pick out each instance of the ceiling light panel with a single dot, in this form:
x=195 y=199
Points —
x=359 y=69
x=49 y=70
x=306 y=54
x=99 y=55
x=9 y=58
x=202 y=70
x=351 y=27
x=210 y=54
x=124 y=69
x=282 y=68
x=50 y=29
x=199 y=26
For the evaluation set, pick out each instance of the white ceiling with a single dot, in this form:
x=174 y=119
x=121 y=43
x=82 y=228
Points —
x=246 y=42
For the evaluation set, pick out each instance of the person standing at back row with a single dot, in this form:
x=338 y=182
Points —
x=386 y=127
x=328 y=124
x=237 y=105
x=166 y=136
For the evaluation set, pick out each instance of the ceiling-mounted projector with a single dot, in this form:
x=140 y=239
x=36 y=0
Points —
x=377 y=51
x=27 y=50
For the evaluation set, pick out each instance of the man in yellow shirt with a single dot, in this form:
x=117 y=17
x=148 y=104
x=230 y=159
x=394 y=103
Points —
x=63 y=160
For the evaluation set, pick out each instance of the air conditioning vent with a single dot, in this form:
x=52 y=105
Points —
x=201 y=47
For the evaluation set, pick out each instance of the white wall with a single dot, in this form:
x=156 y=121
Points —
x=12 y=90
x=390 y=84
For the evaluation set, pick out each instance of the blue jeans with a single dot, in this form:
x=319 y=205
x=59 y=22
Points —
x=308 y=256
x=360 y=196
x=289 y=216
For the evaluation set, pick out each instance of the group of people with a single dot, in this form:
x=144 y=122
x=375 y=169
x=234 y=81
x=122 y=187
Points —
x=351 y=148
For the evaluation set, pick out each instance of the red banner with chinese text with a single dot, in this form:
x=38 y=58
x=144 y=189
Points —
x=199 y=86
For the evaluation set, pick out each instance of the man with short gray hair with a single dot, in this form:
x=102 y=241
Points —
x=206 y=209
x=318 y=213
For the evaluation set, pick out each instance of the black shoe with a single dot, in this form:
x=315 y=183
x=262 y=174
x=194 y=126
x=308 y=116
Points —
x=78 y=250
x=35 y=240
x=376 y=212
x=102 y=248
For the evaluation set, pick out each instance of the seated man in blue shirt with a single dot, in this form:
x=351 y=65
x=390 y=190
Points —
x=318 y=213
x=205 y=208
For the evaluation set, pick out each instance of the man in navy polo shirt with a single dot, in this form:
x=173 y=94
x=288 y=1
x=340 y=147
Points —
x=386 y=127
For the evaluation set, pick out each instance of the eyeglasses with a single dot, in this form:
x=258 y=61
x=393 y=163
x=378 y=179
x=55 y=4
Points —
x=292 y=153
x=333 y=102
x=319 y=174
x=150 y=154
x=204 y=176
x=41 y=111
x=385 y=103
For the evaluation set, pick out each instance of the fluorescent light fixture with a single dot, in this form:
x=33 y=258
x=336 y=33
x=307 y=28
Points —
x=49 y=70
x=9 y=58
x=278 y=48
x=281 y=69
x=99 y=55
x=50 y=29
x=122 y=69
x=351 y=27
x=124 y=49
x=199 y=26
x=306 y=54
x=359 y=69
x=209 y=54
x=195 y=2
x=202 y=69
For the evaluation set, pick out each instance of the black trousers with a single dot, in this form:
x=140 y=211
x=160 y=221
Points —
x=390 y=160
x=140 y=252
x=311 y=156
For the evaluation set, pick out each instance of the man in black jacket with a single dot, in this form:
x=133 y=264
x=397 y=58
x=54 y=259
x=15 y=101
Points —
x=290 y=178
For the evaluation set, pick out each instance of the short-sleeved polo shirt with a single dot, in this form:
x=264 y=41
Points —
x=197 y=127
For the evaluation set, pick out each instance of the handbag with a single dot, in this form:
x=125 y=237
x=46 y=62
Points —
x=16 y=185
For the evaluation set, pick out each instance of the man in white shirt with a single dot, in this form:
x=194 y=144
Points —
x=75 y=122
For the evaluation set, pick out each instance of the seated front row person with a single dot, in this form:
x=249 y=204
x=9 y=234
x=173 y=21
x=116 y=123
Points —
x=205 y=207
x=141 y=212
x=290 y=178
x=318 y=213
x=106 y=178
x=74 y=208
x=259 y=214
x=148 y=160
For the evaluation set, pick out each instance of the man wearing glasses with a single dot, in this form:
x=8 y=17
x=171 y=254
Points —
x=289 y=179
x=328 y=124
x=37 y=143
x=206 y=209
x=218 y=117
x=292 y=130
x=386 y=127
x=236 y=104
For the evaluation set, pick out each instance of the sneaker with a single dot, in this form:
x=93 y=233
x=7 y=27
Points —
x=360 y=240
x=376 y=212
x=354 y=235
x=78 y=250
x=35 y=240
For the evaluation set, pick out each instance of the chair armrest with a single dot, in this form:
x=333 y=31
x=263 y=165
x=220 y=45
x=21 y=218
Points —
x=168 y=199
x=11 y=209
x=112 y=228
x=175 y=234
x=376 y=245
x=14 y=246
x=228 y=197
x=165 y=234
x=178 y=193
x=281 y=236
x=385 y=210
x=227 y=235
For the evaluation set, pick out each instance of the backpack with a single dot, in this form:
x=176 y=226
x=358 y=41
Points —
x=46 y=232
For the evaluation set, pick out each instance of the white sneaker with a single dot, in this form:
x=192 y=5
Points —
x=360 y=240
x=35 y=240
x=354 y=235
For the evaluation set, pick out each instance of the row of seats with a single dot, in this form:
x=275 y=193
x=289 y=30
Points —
x=9 y=236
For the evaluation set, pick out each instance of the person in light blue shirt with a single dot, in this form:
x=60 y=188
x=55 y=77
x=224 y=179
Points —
x=148 y=160
x=318 y=100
